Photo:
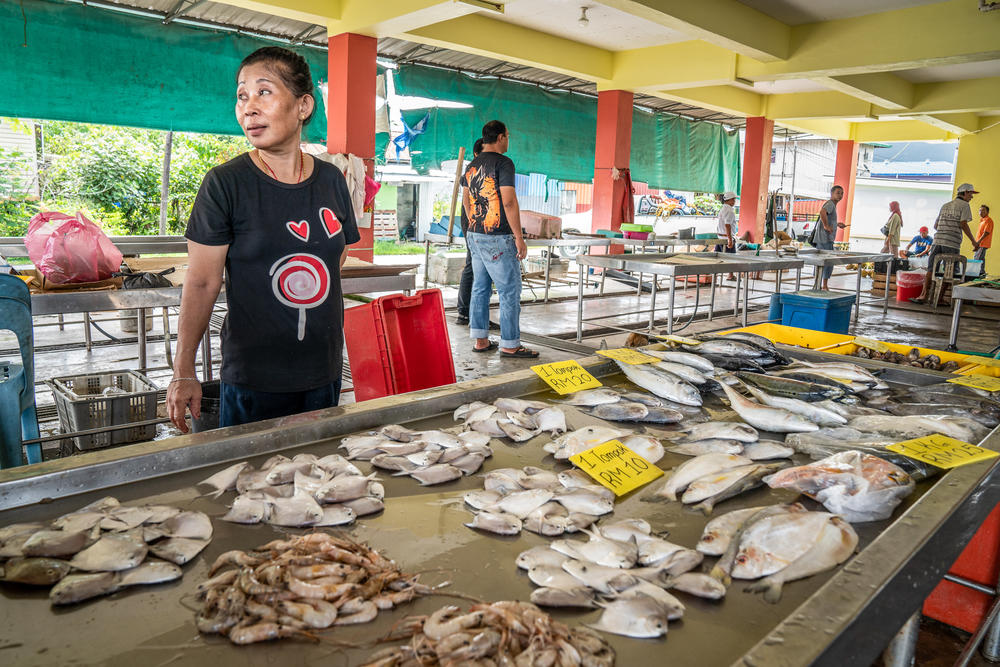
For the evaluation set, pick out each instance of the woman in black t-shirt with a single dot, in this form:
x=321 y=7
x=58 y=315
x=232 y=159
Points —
x=277 y=222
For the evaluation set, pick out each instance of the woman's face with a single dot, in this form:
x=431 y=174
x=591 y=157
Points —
x=270 y=115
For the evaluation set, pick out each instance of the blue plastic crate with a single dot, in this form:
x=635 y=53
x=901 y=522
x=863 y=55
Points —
x=818 y=310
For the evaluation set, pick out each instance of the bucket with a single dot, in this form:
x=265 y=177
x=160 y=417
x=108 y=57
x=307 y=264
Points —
x=906 y=292
x=910 y=278
x=130 y=320
x=211 y=405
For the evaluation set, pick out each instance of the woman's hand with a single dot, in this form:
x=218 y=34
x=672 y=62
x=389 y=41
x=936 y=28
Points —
x=181 y=394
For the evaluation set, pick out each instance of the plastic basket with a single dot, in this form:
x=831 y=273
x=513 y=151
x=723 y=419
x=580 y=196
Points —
x=82 y=405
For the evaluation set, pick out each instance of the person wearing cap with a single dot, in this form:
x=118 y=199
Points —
x=952 y=221
x=727 y=226
x=921 y=244
x=984 y=237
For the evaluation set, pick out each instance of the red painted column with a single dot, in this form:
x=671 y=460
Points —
x=845 y=173
x=612 y=149
x=351 y=111
x=756 y=172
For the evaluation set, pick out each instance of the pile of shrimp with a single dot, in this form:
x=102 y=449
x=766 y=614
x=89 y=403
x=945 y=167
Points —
x=288 y=588
x=501 y=633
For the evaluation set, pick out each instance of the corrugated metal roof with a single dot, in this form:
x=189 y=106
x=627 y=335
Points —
x=229 y=17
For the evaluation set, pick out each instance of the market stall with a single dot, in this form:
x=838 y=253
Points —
x=977 y=290
x=846 y=615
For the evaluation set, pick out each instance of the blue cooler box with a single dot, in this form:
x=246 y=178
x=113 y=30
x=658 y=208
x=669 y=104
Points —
x=818 y=310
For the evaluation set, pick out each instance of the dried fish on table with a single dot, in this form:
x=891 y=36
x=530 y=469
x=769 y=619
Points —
x=497 y=633
x=292 y=587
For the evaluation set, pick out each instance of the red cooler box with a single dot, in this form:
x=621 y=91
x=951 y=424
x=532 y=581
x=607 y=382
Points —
x=397 y=344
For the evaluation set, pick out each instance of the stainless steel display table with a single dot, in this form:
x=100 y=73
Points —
x=13 y=246
x=826 y=258
x=974 y=291
x=842 y=617
x=60 y=303
x=681 y=265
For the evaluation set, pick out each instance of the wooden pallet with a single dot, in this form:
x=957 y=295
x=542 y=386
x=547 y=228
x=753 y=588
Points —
x=385 y=225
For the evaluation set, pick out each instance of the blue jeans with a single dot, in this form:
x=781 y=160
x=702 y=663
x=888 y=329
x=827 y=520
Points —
x=494 y=259
x=826 y=245
x=243 y=406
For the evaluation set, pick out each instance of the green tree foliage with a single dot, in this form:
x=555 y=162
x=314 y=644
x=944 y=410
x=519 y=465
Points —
x=113 y=173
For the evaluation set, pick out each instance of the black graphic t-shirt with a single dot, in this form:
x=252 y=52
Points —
x=484 y=177
x=285 y=328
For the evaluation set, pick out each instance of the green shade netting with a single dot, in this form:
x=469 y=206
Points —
x=553 y=133
x=92 y=65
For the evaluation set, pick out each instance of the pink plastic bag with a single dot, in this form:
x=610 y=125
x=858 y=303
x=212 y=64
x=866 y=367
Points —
x=68 y=249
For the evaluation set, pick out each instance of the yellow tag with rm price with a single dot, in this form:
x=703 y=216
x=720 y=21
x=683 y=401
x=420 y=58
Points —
x=871 y=344
x=978 y=382
x=942 y=451
x=566 y=376
x=616 y=467
x=627 y=355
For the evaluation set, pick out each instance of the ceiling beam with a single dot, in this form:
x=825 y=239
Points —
x=827 y=104
x=883 y=89
x=309 y=11
x=955 y=97
x=943 y=33
x=726 y=23
x=481 y=35
x=679 y=65
x=899 y=130
x=831 y=128
x=956 y=123
x=724 y=99
x=385 y=18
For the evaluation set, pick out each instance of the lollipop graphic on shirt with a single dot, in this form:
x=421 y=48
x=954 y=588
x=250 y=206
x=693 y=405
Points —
x=300 y=281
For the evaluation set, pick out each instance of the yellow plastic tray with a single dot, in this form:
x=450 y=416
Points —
x=808 y=338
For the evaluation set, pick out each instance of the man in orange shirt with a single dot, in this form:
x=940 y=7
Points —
x=985 y=236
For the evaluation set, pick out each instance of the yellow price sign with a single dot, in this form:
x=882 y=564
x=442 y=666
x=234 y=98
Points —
x=871 y=344
x=566 y=376
x=942 y=451
x=627 y=355
x=978 y=382
x=983 y=361
x=680 y=340
x=616 y=467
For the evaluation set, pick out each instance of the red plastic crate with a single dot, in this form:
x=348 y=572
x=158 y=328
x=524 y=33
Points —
x=397 y=344
x=960 y=606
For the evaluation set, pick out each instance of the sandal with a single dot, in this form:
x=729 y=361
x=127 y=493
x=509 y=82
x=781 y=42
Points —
x=520 y=353
x=491 y=346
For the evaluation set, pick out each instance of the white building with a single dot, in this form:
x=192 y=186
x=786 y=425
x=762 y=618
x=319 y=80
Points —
x=17 y=152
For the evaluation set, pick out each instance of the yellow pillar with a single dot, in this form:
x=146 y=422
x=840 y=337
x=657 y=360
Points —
x=977 y=164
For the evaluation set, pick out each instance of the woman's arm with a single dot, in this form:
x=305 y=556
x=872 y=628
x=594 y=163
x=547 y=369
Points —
x=201 y=288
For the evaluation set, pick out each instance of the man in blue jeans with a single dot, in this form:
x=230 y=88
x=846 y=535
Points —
x=496 y=242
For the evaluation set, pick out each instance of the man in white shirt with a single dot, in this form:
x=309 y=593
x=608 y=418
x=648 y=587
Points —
x=727 y=226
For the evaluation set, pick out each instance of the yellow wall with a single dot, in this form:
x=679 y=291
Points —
x=979 y=164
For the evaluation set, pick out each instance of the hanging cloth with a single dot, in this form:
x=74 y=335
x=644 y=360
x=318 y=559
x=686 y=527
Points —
x=354 y=171
x=626 y=204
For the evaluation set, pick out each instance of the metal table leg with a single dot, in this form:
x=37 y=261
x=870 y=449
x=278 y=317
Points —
x=206 y=356
x=711 y=300
x=638 y=286
x=604 y=274
x=902 y=649
x=798 y=279
x=670 y=309
x=956 y=315
x=548 y=262
x=857 y=295
x=86 y=331
x=777 y=284
x=142 y=338
x=166 y=338
x=736 y=300
x=652 y=302
x=427 y=261
x=579 y=302
x=746 y=300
